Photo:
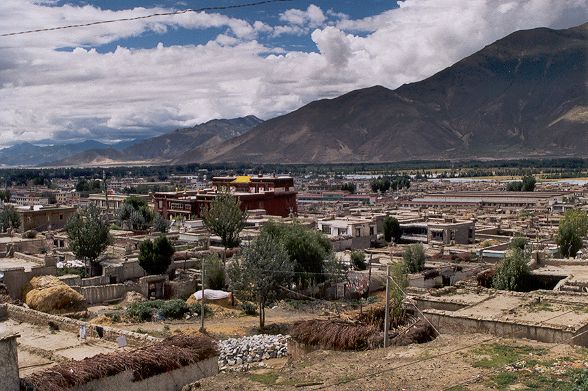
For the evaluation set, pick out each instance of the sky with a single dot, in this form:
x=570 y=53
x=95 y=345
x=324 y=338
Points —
x=141 y=78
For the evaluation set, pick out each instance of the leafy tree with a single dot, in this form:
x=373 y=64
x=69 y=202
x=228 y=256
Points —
x=358 y=260
x=258 y=276
x=573 y=227
x=135 y=212
x=160 y=224
x=9 y=217
x=529 y=182
x=225 y=218
x=89 y=186
x=526 y=184
x=308 y=249
x=512 y=272
x=392 y=229
x=215 y=272
x=349 y=186
x=519 y=242
x=156 y=256
x=414 y=257
x=89 y=235
x=5 y=195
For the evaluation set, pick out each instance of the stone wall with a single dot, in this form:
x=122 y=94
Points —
x=169 y=381
x=9 y=379
x=448 y=322
x=27 y=315
x=103 y=293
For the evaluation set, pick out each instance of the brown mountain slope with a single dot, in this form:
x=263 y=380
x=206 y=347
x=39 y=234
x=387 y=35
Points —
x=520 y=96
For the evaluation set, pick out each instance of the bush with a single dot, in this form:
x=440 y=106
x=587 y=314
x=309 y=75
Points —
x=512 y=273
x=519 y=242
x=249 y=308
x=144 y=310
x=174 y=309
x=215 y=273
x=31 y=234
x=358 y=260
x=196 y=309
x=414 y=258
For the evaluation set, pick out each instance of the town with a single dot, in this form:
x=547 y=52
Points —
x=276 y=266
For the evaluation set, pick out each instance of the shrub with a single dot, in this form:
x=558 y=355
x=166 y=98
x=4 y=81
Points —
x=358 y=260
x=249 y=308
x=215 y=272
x=519 y=242
x=174 y=309
x=512 y=272
x=414 y=257
x=196 y=309
x=143 y=311
x=31 y=234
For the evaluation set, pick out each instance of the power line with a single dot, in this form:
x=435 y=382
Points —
x=171 y=13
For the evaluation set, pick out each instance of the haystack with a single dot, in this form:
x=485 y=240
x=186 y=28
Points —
x=221 y=298
x=49 y=294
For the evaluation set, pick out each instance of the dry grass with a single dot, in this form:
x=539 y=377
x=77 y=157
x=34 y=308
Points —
x=49 y=294
x=334 y=334
x=170 y=354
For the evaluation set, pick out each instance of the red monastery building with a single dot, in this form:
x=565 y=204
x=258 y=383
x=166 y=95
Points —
x=274 y=194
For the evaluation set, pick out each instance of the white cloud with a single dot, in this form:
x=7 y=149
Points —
x=83 y=93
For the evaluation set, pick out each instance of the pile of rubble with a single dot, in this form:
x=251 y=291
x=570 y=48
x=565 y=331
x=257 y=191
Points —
x=256 y=348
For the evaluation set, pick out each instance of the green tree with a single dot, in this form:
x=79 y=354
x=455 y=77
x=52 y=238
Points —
x=89 y=235
x=135 y=213
x=261 y=272
x=5 y=195
x=215 y=272
x=414 y=257
x=160 y=224
x=513 y=271
x=308 y=249
x=528 y=184
x=519 y=242
x=398 y=285
x=225 y=218
x=349 y=186
x=573 y=227
x=358 y=260
x=156 y=256
x=9 y=217
x=392 y=231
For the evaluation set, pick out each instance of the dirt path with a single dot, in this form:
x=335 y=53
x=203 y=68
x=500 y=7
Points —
x=464 y=362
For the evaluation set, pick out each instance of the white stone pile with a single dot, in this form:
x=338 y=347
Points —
x=256 y=348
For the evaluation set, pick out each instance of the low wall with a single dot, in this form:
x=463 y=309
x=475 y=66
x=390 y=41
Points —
x=424 y=304
x=450 y=323
x=16 y=279
x=27 y=315
x=103 y=293
x=95 y=281
x=169 y=381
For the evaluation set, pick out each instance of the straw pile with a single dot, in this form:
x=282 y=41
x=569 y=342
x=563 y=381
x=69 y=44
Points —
x=172 y=353
x=333 y=334
x=51 y=295
x=419 y=332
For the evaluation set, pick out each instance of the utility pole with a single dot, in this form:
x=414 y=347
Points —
x=202 y=275
x=369 y=274
x=387 y=314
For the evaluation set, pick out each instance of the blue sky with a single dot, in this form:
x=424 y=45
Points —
x=136 y=79
x=267 y=13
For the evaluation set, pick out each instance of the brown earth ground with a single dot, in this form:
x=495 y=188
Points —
x=451 y=362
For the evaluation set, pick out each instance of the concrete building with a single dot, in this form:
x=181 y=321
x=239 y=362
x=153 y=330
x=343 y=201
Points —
x=349 y=233
x=488 y=199
x=275 y=195
x=439 y=232
x=113 y=201
x=41 y=217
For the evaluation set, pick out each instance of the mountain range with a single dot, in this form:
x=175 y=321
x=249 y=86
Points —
x=524 y=95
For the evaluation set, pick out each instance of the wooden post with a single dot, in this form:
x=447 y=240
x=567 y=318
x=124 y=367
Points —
x=203 y=275
x=387 y=314
x=369 y=274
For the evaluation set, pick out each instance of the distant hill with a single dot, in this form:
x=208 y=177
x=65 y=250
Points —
x=522 y=96
x=27 y=154
x=162 y=149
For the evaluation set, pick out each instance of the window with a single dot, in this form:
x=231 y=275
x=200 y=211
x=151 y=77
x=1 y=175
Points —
x=326 y=229
x=357 y=232
x=372 y=231
x=60 y=217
